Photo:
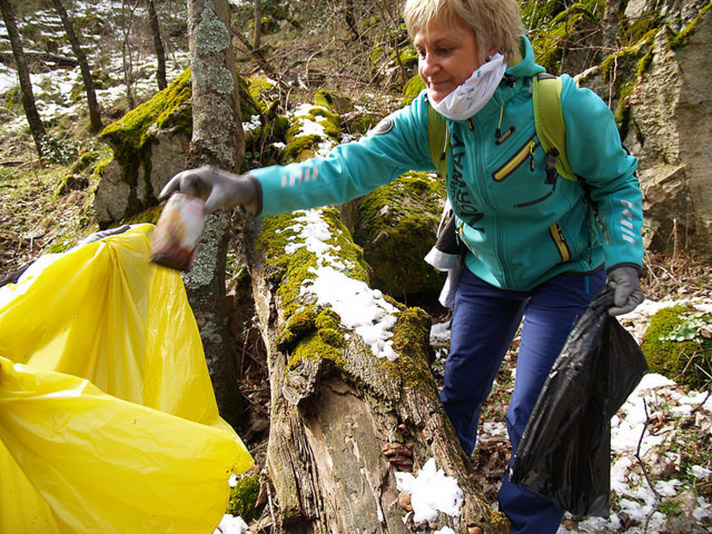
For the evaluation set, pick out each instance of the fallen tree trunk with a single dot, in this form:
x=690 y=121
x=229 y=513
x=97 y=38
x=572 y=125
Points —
x=45 y=57
x=352 y=403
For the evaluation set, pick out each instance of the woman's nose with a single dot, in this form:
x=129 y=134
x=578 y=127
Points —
x=428 y=64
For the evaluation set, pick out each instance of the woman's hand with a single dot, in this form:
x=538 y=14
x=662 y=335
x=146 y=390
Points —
x=628 y=293
x=219 y=189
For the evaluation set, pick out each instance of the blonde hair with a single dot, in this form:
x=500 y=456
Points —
x=496 y=23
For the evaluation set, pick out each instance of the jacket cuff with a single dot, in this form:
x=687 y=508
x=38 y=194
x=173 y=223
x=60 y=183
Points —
x=633 y=265
x=256 y=207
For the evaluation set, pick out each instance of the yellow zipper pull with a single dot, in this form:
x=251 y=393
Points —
x=532 y=147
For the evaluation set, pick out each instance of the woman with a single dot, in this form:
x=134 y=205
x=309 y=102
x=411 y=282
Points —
x=534 y=249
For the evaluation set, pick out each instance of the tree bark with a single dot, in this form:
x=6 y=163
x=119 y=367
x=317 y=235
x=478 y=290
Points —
x=93 y=104
x=127 y=13
x=258 y=25
x=611 y=16
x=217 y=140
x=158 y=45
x=23 y=73
x=343 y=421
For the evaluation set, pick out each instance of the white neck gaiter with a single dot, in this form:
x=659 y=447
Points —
x=471 y=96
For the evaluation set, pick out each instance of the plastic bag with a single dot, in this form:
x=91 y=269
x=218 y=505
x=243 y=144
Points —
x=108 y=420
x=564 y=454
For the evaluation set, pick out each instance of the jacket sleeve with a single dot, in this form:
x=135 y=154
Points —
x=595 y=152
x=399 y=143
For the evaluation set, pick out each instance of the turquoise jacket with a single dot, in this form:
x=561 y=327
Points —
x=520 y=227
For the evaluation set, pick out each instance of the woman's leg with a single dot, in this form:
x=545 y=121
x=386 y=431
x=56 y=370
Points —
x=484 y=322
x=549 y=317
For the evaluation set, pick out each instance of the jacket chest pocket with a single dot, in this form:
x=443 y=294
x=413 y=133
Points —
x=524 y=155
x=523 y=176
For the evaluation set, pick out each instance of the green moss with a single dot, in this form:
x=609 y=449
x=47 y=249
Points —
x=314 y=348
x=412 y=89
x=301 y=148
x=298 y=326
x=328 y=319
x=411 y=343
x=364 y=124
x=257 y=89
x=397 y=225
x=324 y=99
x=409 y=58
x=673 y=348
x=332 y=337
x=99 y=168
x=243 y=499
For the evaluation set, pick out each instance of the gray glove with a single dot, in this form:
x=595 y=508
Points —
x=628 y=293
x=219 y=189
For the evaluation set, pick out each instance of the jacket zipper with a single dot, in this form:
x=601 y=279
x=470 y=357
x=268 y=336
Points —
x=515 y=161
x=558 y=237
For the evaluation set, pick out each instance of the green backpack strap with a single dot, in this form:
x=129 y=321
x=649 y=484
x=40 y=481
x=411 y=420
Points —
x=549 y=123
x=437 y=138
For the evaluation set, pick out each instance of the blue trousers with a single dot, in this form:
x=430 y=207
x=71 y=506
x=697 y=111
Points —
x=484 y=322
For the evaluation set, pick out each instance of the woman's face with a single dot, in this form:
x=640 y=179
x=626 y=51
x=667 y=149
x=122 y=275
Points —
x=447 y=57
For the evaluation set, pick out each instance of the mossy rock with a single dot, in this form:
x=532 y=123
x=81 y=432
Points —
x=168 y=109
x=674 y=346
x=396 y=228
x=412 y=89
x=243 y=499
x=131 y=136
x=409 y=58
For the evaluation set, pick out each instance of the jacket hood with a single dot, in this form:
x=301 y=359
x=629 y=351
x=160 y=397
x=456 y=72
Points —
x=523 y=63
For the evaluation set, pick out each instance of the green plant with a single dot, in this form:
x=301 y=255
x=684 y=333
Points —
x=243 y=498
x=58 y=151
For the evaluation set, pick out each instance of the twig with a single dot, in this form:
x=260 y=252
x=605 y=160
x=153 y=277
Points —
x=269 y=503
x=699 y=406
x=637 y=452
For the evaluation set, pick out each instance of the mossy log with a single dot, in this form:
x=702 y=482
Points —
x=347 y=413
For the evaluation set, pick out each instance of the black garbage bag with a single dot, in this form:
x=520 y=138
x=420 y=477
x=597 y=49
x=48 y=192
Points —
x=564 y=454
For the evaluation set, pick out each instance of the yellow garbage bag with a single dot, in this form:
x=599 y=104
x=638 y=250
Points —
x=108 y=421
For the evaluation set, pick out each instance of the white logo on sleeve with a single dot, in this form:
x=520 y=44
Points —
x=299 y=176
x=627 y=222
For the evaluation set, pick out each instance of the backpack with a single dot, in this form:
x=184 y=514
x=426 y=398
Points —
x=548 y=123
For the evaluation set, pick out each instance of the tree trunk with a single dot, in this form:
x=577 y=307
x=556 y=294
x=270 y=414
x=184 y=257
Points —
x=258 y=25
x=217 y=140
x=94 y=111
x=127 y=12
x=23 y=73
x=343 y=420
x=611 y=16
x=158 y=45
